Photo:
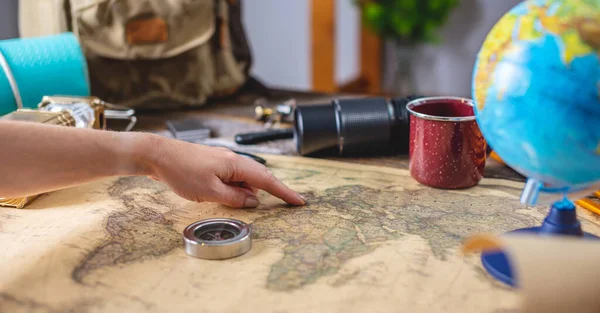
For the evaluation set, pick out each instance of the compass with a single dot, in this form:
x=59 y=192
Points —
x=217 y=238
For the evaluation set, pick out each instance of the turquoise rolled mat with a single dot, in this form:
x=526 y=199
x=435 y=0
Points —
x=31 y=68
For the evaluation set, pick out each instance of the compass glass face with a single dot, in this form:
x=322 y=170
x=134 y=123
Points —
x=217 y=232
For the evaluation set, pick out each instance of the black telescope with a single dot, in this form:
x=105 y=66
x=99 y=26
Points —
x=353 y=127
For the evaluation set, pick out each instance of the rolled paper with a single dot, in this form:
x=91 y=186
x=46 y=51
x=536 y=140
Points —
x=31 y=68
x=554 y=274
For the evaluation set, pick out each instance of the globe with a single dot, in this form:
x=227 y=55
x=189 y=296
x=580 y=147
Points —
x=536 y=86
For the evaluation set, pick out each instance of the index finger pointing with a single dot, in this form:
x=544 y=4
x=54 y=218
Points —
x=257 y=175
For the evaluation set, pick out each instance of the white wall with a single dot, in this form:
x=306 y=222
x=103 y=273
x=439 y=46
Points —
x=279 y=33
x=347 y=36
x=443 y=69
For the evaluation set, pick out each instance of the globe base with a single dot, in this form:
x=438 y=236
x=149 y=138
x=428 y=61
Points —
x=561 y=221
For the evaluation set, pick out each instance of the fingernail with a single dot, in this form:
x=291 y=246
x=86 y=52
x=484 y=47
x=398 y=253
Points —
x=303 y=199
x=251 y=202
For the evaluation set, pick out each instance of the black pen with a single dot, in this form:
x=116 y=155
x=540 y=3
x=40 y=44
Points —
x=252 y=156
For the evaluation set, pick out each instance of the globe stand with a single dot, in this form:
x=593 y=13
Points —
x=561 y=221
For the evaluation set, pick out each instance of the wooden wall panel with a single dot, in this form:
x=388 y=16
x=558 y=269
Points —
x=370 y=60
x=369 y=80
x=323 y=51
x=323 y=45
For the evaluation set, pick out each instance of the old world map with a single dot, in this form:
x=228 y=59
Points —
x=370 y=239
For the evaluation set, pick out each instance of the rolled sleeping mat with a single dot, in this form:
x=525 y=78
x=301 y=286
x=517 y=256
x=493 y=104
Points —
x=31 y=68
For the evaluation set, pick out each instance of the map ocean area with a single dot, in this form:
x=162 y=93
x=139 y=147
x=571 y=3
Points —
x=369 y=239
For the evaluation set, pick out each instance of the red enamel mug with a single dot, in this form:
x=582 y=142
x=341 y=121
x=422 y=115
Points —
x=447 y=149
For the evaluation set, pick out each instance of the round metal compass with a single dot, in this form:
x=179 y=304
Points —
x=218 y=238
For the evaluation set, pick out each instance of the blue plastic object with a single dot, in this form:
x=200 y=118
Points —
x=42 y=66
x=561 y=221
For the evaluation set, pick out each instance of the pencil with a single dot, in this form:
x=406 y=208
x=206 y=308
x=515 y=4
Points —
x=589 y=205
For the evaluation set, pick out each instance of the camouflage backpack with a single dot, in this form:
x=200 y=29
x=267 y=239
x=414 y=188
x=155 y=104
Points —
x=151 y=53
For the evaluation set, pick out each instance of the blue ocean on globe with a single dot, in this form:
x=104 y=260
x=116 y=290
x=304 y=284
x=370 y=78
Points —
x=538 y=101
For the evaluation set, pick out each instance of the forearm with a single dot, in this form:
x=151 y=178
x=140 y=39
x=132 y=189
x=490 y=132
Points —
x=38 y=158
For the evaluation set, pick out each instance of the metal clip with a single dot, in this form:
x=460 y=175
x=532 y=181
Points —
x=116 y=112
x=283 y=113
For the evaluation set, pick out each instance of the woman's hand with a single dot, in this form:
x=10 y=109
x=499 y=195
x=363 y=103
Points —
x=42 y=158
x=200 y=173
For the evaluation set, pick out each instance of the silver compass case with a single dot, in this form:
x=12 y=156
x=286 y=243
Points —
x=218 y=238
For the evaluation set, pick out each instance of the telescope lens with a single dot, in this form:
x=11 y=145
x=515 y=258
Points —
x=315 y=129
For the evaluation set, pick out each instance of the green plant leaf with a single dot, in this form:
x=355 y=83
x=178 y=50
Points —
x=402 y=26
x=407 y=5
x=406 y=20
x=373 y=11
x=373 y=17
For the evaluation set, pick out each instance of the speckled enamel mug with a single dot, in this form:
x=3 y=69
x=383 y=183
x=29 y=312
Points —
x=447 y=149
